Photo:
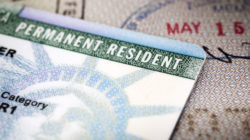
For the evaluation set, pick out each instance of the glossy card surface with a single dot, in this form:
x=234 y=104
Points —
x=64 y=78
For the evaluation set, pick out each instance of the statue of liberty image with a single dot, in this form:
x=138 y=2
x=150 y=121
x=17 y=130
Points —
x=83 y=103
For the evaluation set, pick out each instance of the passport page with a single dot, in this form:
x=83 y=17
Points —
x=219 y=106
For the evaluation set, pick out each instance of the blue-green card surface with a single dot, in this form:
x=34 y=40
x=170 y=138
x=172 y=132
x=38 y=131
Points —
x=63 y=78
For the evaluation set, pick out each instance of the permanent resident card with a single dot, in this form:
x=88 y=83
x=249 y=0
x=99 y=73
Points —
x=64 y=78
